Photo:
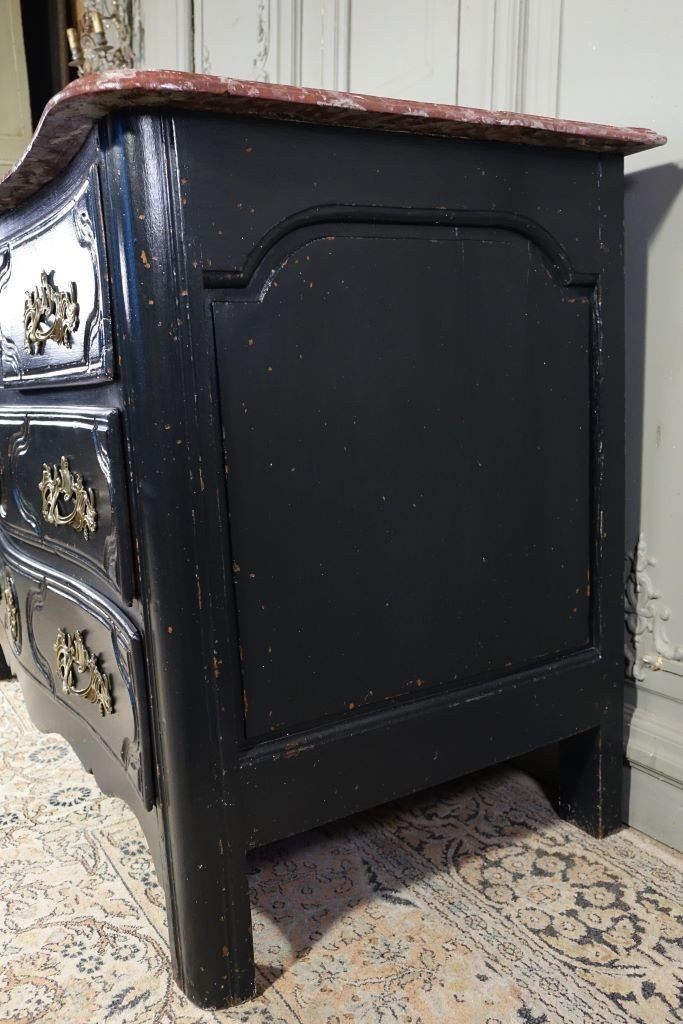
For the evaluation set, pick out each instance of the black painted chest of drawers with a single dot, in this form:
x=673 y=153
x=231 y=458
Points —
x=311 y=462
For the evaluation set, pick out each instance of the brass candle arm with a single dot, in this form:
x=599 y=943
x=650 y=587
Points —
x=103 y=37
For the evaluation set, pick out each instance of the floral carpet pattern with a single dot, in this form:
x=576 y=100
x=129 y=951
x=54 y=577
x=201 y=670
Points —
x=470 y=904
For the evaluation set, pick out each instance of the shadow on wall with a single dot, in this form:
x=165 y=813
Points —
x=648 y=198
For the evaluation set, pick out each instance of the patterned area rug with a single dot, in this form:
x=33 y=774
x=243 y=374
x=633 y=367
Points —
x=472 y=904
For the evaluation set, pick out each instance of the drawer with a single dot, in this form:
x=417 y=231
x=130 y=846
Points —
x=62 y=487
x=55 y=325
x=85 y=651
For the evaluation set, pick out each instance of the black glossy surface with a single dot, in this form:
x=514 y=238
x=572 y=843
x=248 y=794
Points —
x=49 y=601
x=31 y=437
x=60 y=234
x=370 y=389
x=395 y=475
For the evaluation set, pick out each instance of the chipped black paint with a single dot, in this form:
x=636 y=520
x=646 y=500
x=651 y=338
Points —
x=449 y=328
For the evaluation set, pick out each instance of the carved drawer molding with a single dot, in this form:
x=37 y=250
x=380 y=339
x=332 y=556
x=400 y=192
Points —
x=87 y=653
x=55 y=323
x=62 y=488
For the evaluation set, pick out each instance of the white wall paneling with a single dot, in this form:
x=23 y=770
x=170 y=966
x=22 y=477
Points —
x=234 y=38
x=542 y=50
x=508 y=58
x=15 y=113
x=655 y=805
x=500 y=53
x=475 y=52
x=325 y=43
x=636 y=77
x=399 y=48
x=164 y=34
x=509 y=54
x=653 y=782
x=254 y=39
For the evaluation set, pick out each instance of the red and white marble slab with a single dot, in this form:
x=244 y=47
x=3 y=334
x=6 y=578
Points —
x=70 y=115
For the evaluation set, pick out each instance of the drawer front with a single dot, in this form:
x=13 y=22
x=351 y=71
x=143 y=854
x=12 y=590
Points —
x=54 y=306
x=85 y=651
x=62 y=487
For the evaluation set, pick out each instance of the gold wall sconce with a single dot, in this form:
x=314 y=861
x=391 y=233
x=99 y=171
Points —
x=103 y=38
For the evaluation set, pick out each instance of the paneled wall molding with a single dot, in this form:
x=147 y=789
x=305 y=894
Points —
x=509 y=57
x=524 y=57
x=336 y=44
x=254 y=39
x=163 y=34
x=648 y=645
x=138 y=32
x=15 y=110
x=652 y=743
x=200 y=51
x=263 y=41
x=489 y=53
x=542 y=57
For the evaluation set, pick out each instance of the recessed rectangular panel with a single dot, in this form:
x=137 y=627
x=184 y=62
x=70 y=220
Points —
x=407 y=428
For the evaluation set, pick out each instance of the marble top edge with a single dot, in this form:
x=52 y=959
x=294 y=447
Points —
x=70 y=115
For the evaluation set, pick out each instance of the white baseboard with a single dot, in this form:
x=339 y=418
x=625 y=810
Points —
x=654 y=742
x=653 y=776
x=654 y=805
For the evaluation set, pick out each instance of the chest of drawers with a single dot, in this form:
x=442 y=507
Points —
x=310 y=461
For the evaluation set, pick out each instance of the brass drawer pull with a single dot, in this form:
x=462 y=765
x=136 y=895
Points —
x=49 y=315
x=73 y=654
x=61 y=483
x=9 y=595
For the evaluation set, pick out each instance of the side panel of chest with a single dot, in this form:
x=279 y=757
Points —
x=408 y=348
x=372 y=399
x=409 y=467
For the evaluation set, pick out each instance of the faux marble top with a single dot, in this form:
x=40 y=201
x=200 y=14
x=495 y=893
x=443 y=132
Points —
x=70 y=115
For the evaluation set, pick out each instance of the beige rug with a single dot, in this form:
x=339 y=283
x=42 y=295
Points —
x=473 y=904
